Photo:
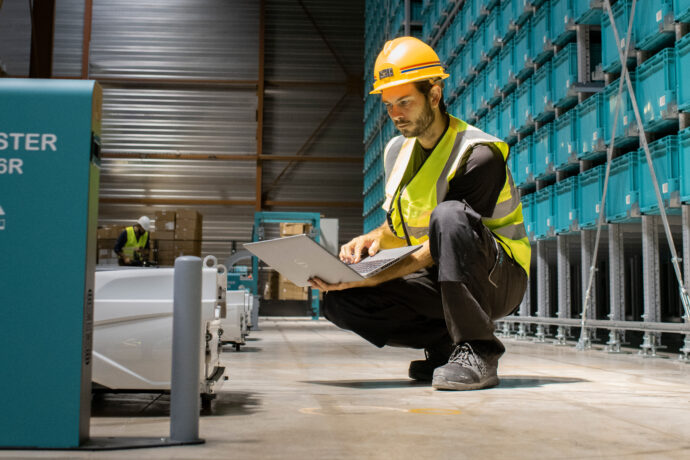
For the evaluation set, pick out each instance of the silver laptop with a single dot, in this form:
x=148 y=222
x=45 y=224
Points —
x=299 y=258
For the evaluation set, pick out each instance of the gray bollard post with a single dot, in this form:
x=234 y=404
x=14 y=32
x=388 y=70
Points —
x=184 y=384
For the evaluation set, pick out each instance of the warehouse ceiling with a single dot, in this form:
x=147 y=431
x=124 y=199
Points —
x=200 y=112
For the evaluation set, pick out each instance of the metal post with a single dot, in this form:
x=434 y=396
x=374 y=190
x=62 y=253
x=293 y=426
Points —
x=650 y=280
x=685 y=351
x=186 y=352
x=524 y=311
x=587 y=250
x=617 y=285
x=564 y=294
x=543 y=288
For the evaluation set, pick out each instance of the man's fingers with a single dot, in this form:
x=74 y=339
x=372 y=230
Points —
x=374 y=248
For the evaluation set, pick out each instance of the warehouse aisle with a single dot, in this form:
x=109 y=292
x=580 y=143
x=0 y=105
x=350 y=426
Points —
x=304 y=389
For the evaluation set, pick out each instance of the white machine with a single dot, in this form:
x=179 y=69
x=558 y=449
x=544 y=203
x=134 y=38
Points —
x=133 y=314
x=235 y=325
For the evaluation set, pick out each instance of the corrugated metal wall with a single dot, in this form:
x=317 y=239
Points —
x=137 y=46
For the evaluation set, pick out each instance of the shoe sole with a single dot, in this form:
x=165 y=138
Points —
x=441 y=383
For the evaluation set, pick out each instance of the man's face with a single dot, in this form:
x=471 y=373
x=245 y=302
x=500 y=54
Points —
x=138 y=228
x=409 y=109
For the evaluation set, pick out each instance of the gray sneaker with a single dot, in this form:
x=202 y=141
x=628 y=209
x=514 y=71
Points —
x=470 y=367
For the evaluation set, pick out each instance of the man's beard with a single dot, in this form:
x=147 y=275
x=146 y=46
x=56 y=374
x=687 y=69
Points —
x=420 y=126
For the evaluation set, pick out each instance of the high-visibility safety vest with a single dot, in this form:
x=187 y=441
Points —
x=409 y=205
x=133 y=243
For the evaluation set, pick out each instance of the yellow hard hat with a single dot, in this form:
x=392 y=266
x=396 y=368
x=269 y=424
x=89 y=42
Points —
x=404 y=60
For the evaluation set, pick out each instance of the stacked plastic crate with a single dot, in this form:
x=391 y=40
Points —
x=514 y=73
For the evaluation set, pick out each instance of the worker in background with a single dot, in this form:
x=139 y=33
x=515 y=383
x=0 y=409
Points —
x=132 y=246
x=448 y=188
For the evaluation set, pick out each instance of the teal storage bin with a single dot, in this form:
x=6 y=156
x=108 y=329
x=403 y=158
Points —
x=493 y=81
x=494 y=32
x=528 y=214
x=508 y=129
x=667 y=168
x=478 y=43
x=683 y=64
x=524 y=163
x=468 y=104
x=481 y=91
x=541 y=34
x=562 y=21
x=653 y=24
x=626 y=128
x=467 y=16
x=591 y=186
x=564 y=68
x=585 y=14
x=566 y=205
x=468 y=63
x=566 y=141
x=544 y=207
x=610 y=60
x=681 y=10
x=507 y=67
x=684 y=154
x=510 y=13
x=622 y=202
x=544 y=148
x=542 y=107
x=656 y=90
x=493 y=122
x=524 y=96
x=524 y=52
x=525 y=8
x=590 y=114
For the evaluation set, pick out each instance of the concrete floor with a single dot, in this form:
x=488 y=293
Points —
x=304 y=389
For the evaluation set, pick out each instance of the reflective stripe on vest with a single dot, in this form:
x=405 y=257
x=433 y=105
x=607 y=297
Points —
x=132 y=243
x=429 y=186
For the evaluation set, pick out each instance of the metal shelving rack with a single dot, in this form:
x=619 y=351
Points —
x=561 y=260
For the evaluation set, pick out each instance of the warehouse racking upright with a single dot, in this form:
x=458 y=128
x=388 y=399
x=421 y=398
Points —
x=543 y=75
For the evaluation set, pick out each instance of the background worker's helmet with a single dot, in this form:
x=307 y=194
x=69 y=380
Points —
x=404 y=60
x=145 y=223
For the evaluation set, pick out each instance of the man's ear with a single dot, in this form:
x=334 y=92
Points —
x=435 y=94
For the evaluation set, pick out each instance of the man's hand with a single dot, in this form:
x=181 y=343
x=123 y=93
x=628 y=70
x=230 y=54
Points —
x=351 y=252
x=126 y=260
x=318 y=283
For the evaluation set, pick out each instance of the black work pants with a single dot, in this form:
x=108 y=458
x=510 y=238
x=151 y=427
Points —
x=472 y=283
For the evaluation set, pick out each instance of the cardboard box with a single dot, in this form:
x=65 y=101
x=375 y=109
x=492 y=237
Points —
x=164 y=245
x=188 y=233
x=271 y=288
x=289 y=228
x=165 y=221
x=288 y=291
x=187 y=248
x=162 y=235
x=188 y=214
x=109 y=232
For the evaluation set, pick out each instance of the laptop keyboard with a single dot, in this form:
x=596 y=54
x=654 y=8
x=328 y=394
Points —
x=367 y=266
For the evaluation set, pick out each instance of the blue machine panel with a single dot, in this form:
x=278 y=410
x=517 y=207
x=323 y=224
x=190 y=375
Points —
x=49 y=169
